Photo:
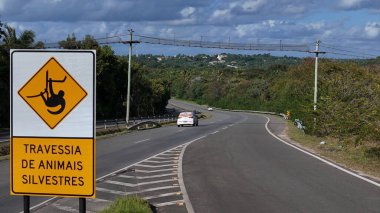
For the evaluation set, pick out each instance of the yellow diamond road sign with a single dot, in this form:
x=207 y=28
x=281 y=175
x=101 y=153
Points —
x=52 y=93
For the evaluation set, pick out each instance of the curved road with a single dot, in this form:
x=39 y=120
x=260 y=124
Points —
x=237 y=167
x=117 y=152
x=245 y=169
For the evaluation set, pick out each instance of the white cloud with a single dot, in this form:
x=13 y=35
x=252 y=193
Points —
x=247 y=29
x=187 y=11
x=2 y=5
x=187 y=21
x=103 y=27
x=252 y=5
x=292 y=9
x=372 y=29
x=315 y=25
x=220 y=15
x=347 y=4
x=270 y=23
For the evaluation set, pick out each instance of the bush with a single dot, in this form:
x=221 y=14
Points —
x=373 y=152
x=128 y=204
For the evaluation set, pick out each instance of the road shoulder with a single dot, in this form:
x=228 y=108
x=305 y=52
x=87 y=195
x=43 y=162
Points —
x=284 y=130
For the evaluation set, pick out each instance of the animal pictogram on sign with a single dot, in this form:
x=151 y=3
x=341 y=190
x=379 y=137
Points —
x=52 y=92
x=52 y=99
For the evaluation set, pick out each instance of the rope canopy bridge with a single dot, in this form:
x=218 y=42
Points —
x=199 y=43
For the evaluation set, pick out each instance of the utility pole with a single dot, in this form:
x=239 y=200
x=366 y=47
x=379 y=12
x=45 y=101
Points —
x=317 y=52
x=130 y=42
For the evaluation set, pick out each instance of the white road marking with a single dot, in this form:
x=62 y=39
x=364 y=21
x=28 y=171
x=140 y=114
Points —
x=137 y=184
x=164 y=161
x=162 y=195
x=65 y=208
x=123 y=169
x=110 y=191
x=319 y=158
x=145 y=177
x=168 y=203
x=169 y=154
x=181 y=130
x=98 y=200
x=225 y=127
x=174 y=151
x=214 y=132
x=166 y=158
x=142 y=141
x=153 y=171
x=155 y=166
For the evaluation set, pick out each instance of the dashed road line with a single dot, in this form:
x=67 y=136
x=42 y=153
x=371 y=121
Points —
x=142 y=141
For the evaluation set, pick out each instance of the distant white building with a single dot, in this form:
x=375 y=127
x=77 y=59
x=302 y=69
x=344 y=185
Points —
x=221 y=57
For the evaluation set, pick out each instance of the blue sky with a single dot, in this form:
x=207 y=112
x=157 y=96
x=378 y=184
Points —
x=352 y=25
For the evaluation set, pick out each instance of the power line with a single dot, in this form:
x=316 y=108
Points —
x=353 y=48
x=202 y=44
x=343 y=50
x=344 y=54
x=224 y=45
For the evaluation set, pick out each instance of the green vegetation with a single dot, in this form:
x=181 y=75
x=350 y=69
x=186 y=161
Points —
x=149 y=97
x=361 y=158
x=128 y=204
x=348 y=91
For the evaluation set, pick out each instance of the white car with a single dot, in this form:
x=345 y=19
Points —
x=187 y=118
x=210 y=109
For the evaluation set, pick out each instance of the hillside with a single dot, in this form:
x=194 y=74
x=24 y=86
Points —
x=348 y=93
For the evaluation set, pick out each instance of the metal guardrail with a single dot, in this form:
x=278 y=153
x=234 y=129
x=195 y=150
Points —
x=112 y=123
x=250 y=111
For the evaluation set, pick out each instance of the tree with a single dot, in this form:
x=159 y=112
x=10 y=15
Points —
x=10 y=41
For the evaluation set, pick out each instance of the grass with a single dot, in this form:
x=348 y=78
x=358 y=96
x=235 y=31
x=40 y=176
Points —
x=128 y=204
x=360 y=158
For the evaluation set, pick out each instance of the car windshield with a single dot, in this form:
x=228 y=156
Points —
x=185 y=115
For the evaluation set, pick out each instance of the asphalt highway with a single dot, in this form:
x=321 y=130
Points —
x=117 y=152
x=245 y=169
x=234 y=165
